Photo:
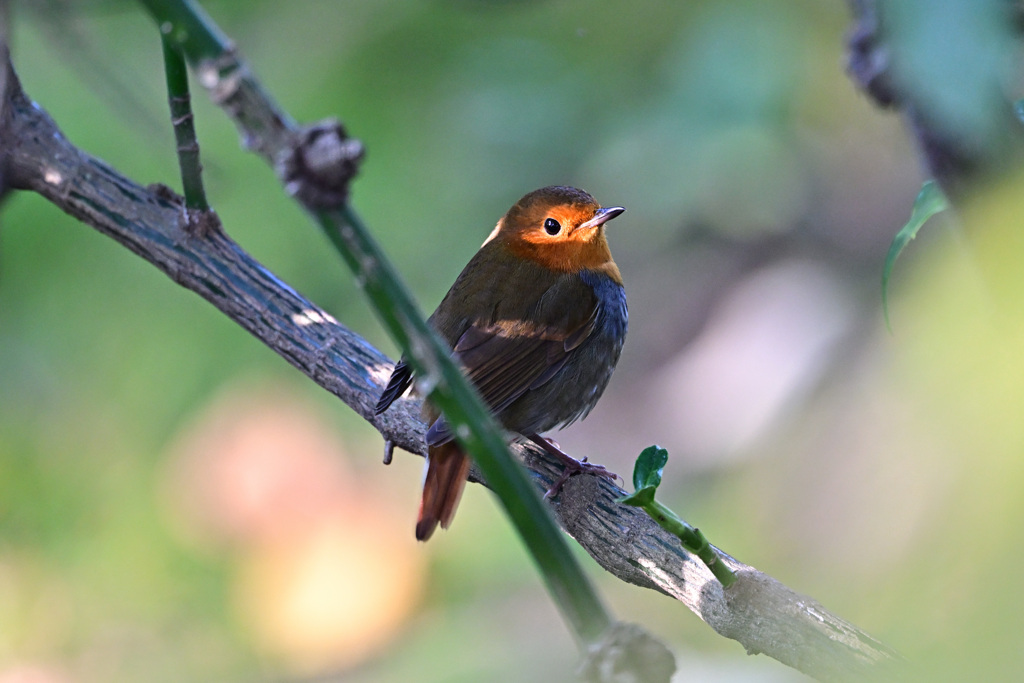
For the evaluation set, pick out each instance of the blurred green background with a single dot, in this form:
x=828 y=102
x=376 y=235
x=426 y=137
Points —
x=177 y=503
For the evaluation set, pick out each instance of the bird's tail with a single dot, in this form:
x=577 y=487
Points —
x=447 y=470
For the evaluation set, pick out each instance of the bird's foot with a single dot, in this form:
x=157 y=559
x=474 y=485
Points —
x=571 y=464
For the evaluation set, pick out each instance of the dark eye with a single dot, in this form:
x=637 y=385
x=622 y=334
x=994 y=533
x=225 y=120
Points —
x=551 y=226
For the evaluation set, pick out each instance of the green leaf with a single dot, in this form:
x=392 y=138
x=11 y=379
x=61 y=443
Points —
x=930 y=201
x=648 y=468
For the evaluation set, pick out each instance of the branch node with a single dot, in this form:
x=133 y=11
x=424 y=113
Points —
x=202 y=223
x=195 y=222
x=318 y=165
x=623 y=652
x=221 y=76
x=165 y=193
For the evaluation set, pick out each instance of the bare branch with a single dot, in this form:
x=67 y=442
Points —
x=758 y=611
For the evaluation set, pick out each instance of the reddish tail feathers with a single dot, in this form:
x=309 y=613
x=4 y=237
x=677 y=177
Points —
x=447 y=470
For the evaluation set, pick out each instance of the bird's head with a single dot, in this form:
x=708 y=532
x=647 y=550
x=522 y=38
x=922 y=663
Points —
x=561 y=228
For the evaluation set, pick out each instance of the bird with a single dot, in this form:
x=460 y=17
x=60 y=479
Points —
x=536 y=320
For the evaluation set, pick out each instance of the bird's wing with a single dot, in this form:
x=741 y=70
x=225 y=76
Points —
x=505 y=360
x=401 y=378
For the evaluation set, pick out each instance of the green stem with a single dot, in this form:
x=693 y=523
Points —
x=692 y=539
x=186 y=25
x=184 y=127
x=570 y=588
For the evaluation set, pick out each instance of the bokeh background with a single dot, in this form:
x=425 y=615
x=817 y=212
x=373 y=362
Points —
x=177 y=503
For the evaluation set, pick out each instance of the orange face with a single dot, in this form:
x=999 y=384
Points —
x=560 y=228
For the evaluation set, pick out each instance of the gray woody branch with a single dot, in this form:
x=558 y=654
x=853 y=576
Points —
x=758 y=612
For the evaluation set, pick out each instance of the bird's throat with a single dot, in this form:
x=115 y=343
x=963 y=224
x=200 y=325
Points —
x=570 y=255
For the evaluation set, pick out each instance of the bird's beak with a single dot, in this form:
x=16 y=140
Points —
x=602 y=216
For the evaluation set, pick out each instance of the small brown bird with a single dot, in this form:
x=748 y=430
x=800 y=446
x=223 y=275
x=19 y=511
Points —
x=536 y=319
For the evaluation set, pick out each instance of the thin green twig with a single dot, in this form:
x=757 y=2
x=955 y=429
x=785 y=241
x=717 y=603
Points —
x=179 y=98
x=201 y=42
x=692 y=539
x=647 y=473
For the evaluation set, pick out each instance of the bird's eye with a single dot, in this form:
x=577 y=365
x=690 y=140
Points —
x=551 y=226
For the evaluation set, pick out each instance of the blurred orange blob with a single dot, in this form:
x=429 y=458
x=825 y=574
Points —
x=327 y=572
x=324 y=598
x=30 y=673
x=255 y=464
